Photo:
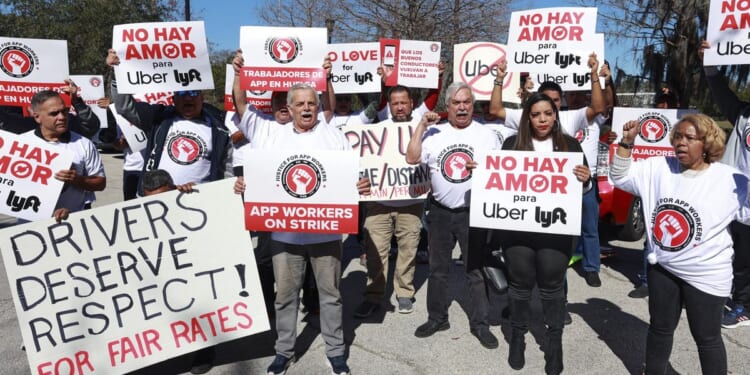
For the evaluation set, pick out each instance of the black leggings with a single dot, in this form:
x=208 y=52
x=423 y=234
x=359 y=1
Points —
x=543 y=267
x=666 y=293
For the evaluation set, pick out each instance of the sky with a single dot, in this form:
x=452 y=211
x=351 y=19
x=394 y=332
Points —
x=223 y=24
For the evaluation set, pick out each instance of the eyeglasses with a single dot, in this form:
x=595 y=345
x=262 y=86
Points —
x=192 y=93
x=689 y=137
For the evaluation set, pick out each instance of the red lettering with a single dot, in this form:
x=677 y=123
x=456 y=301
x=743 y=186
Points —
x=181 y=334
x=223 y=319
x=730 y=6
x=243 y=314
x=158 y=51
x=67 y=365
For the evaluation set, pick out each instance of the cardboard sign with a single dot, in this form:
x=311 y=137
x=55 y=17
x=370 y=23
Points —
x=277 y=58
x=355 y=67
x=136 y=138
x=527 y=191
x=578 y=79
x=411 y=63
x=28 y=66
x=310 y=191
x=653 y=135
x=162 y=56
x=28 y=188
x=124 y=286
x=91 y=89
x=382 y=158
x=475 y=63
x=551 y=39
x=728 y=32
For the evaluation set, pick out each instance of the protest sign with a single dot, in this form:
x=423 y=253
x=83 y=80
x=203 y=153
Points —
x=120 y=287
x=578 y=79
x=355 y=67
x=411 y=63
x=162 y=56
x=382 y=157
x=728 y=32
x=550 y=39
x=28 y=66
x=654 y=127
x=277 y=58
x=136 y=138
x=28 y=188
x=527 y=191
x=91 y=89
x=163 y=98
x=475 y=63
x=259 y=99
x=305 y=191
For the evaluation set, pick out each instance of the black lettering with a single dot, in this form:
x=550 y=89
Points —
x=177 y=252
x=38 y=334
x=66 y=237
x=119 y=309
x=103 y=317
x=25 y=246
x=61 y=326
x=166 y=299
x=76 y=290
x=51 y=285
x=127 y=263
x=23 y=295
x=129 y=222
x=101 y=273
x=202 y=213
x=210 y=274
x=146 y=302
x=110 y=239
x=154 y=268
x=161 y=217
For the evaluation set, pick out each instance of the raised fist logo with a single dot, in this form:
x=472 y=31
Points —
x=651 y=130
x=458 y=167
x=185 y=149
x=283 y=50
x=453 y=165
x=670 y=229
x=301 y=180
x=674 y=227
x=16 y=63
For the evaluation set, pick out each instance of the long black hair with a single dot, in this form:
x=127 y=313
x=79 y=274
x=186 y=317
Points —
x=526 y=132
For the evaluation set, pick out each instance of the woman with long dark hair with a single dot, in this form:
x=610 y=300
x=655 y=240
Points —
x=539 y=258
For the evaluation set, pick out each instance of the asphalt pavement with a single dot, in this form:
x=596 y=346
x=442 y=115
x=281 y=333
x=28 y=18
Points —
x=607 y=336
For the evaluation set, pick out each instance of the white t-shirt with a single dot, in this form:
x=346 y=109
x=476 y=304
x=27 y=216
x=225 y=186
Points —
x=86 y=162
x=354 y=118
x=546 y=145
x=186 y=153
x=687 y=215
x=498 y=126
x=570 y=121
x=445 y=150
x=589 y=139
x=320 y=137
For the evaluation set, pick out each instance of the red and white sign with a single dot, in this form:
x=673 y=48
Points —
x=355 y=67
x=28 y=188
x=551 y=39
x=163 y=98
x=259 y=99
x=578 y=79
x=475 y=63
x=121 y=287
x=653 y=133
x=91 y=89
x=411 y=63
x=382 y=154
x=277 y=58
x=527 y=192
x=310 y=192
x=162 y=56
x=728 y=32
x=136 y=138
x=28 y=66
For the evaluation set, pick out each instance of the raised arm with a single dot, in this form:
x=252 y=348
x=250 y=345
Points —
x=496 y=98
x=329 y=97
x=85 y=122
x=239 y=96
x=597 y=104
x=414 y=149
x=142 y=115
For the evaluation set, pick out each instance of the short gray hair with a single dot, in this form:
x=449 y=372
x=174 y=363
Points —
x=301 y=86
x=455 y=87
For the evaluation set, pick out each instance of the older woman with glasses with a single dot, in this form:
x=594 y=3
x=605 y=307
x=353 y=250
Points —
x=689 y=200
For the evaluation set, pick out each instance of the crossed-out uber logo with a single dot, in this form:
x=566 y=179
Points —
x=17 y=59
x=676 y=224
x=452 y=162
x=301 y=176
x=653 y=127
x=283 y=50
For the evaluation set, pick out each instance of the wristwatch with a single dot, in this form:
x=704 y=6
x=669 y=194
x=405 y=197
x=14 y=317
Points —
x=628 y=146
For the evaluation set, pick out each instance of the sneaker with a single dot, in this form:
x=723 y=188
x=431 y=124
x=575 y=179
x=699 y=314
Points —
x=422 y=257
x=574 y=259
x=430 y=328
x=592 y=278
x=279 y=365
x=639 y=292
x=736 y=318
x=405 y=305
x=366 y=309
x=338 y=365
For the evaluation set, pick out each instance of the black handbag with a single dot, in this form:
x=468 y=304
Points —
x=494 y=270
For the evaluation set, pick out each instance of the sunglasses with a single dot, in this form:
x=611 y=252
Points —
x=192 y=93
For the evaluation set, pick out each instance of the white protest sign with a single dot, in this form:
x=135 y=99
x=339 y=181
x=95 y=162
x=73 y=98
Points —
x=162 y=56
x=164 y=98
x=578 y=79
x=124 y=286
x=655 y=124
x=728 y=32
x=91 y=89
x=28 y=188
x=136 y=138
x=259 y=99
x=527 y=191
x=31 y=65
x=276 y=58
x=411 y=63
x=475 y=63
x=382 y=151
x=309 y=191
x=550 y=39
x=355 y=67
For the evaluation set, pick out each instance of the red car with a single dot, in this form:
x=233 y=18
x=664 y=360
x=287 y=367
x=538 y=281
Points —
x=617 y=207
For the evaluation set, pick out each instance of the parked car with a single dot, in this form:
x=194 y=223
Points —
x=617 y=206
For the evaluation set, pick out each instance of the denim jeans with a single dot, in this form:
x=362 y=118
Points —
x=588 y=242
